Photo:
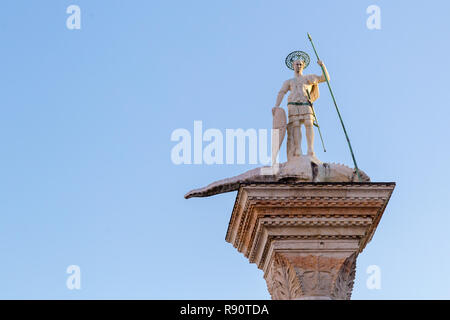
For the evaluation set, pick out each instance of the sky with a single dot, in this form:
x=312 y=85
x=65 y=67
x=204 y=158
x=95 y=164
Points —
x=87 y=117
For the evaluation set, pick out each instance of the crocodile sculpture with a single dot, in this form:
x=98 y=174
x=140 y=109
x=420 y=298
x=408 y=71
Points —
x=304 y=169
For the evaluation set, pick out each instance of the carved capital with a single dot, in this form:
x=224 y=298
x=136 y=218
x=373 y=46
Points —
x=320 y=276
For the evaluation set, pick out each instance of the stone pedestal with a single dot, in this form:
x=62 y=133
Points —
x=306 y=236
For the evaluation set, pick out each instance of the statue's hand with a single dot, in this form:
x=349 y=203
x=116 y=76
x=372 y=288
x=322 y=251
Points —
x=320 y=63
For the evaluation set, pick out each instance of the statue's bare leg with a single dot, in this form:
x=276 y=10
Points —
x=290 y=142
x=309 y=128
x=297 y=138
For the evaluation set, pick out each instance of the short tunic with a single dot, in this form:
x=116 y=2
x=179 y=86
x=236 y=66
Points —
x=297 y=87
x=300 y=113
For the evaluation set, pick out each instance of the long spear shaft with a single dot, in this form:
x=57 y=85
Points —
x=337 y=110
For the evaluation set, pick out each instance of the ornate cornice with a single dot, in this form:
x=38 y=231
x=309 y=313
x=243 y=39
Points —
x=356 y=198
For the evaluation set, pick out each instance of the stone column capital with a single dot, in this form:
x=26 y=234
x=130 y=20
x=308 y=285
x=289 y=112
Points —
x=306 y=236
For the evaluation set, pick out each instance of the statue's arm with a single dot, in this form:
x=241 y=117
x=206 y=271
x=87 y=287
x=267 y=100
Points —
x=325 y=72
x=284 y=89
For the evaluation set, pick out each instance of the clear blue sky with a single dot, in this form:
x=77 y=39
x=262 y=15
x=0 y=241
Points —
x=86 y=119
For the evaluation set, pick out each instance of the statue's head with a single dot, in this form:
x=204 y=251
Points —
x=298 y=65
x=297 y=61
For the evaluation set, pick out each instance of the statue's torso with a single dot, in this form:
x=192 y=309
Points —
x=298 y=87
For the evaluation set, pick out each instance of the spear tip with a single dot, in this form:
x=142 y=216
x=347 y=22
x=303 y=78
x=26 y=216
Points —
x=309 y=36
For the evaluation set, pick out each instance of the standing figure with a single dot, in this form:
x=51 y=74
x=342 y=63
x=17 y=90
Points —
x=304 y=91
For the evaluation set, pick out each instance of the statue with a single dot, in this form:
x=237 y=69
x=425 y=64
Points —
x=304 y=91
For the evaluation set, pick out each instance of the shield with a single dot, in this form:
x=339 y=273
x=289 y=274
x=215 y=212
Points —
x=278 y=132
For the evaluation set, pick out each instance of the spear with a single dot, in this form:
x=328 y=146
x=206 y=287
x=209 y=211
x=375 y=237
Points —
x=337 y=110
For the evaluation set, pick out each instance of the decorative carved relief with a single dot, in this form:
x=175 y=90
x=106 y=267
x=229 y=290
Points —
x=294 y=277
x=345 y=278
x=283 y=282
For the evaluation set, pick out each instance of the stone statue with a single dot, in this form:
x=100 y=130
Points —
x=303 y=92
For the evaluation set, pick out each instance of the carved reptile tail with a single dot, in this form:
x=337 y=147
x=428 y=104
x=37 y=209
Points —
x=325 y=172
x=230 y=184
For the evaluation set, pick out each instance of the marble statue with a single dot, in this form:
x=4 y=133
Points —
x=303 y=91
